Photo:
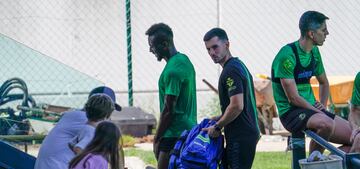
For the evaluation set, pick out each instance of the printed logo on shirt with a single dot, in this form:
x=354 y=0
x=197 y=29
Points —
x=230 y=83
x=306 y=74
x=302 y=116
x=287 y=64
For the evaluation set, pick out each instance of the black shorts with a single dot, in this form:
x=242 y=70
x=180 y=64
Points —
x=240 y=154
x=167 y=143
x=295 y=120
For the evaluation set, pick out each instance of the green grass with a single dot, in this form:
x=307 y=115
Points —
x=263 y=160
x=272 y=160
x=128 y=141
x=147 y=156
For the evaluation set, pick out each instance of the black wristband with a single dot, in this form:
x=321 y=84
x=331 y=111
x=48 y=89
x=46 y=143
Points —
x=217 y=128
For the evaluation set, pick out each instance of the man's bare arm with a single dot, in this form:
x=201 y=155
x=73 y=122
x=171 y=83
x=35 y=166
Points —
x=323 y=88
x=165 y=116
x=354 y=116
x=289 y=86
x=232 y=110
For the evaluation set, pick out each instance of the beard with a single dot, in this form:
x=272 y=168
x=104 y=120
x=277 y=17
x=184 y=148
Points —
x=162 y=55
x=218 y=59
x=319 y=43
x=159 y=58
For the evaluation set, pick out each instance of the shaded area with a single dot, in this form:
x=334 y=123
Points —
x=48 y=80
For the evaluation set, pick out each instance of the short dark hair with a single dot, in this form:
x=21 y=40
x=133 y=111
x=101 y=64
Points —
x=220 y=33
x=311 y=20
x=99 y=107
x=161 y=31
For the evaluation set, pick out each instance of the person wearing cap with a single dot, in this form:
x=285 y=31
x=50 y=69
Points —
x=98 y=108
x=354 y=116
x=177 y=92
x=109 y=92
x=291 y=71
x=54 y=152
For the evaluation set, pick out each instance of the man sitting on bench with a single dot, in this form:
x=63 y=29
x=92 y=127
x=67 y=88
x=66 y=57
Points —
x=292 y=69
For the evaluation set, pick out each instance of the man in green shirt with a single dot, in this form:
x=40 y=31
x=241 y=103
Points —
x=292 y=69
x=177 y=92
x=354 y=116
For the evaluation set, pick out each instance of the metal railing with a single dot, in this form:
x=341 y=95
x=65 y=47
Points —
x=350 y=160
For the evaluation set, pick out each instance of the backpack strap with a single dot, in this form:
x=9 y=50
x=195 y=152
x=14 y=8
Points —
x=179 y=143
x=175 y=152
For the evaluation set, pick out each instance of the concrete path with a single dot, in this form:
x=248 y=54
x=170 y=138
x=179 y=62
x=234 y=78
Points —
x=134 y=163
x=266 y=143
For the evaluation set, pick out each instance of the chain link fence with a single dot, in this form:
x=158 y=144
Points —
x=64 y=48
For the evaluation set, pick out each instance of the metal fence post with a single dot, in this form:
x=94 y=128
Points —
x=129 y=52
x=297 y=143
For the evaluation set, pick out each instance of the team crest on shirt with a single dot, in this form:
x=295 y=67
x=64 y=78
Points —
x=287 y=64
x=230 y=83
x=302 y=116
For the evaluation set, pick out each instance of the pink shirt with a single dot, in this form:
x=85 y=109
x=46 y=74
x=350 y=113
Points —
x=92 y=161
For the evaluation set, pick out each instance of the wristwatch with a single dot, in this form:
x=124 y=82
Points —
x=217 y=128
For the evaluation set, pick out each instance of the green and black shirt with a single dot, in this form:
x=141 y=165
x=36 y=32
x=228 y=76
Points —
x=286 y=64
x=355 y=99
x=235 y=79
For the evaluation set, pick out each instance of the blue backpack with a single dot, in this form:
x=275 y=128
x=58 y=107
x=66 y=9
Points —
x=195 y=150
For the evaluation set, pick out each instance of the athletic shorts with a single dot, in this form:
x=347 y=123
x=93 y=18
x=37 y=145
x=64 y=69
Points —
x=167 y=143
x=295 y=120
x=240 y=154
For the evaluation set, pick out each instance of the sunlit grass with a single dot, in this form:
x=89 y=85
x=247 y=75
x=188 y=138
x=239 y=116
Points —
x=263 y=160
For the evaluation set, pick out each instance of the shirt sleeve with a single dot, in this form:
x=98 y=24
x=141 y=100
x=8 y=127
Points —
x=73 y=142
x=284 y=64
x=355 y=99
x=233 y=82
x=173 y=82
x=85 y=137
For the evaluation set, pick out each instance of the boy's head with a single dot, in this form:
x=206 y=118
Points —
x=99 y=107
x=108 y=91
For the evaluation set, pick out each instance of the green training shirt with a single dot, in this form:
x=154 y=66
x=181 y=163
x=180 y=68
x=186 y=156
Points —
x=284 y=65
x=178 y=79
x=355 y=99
